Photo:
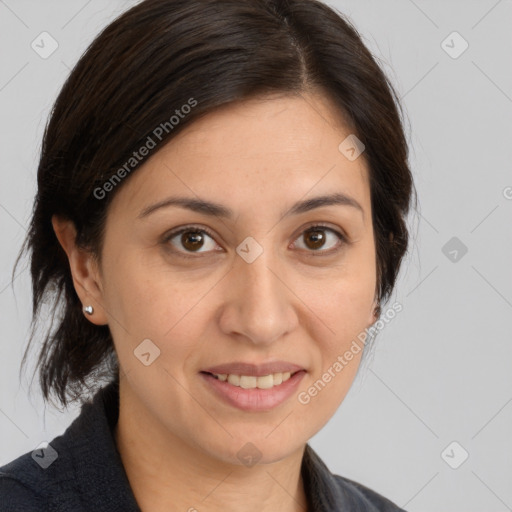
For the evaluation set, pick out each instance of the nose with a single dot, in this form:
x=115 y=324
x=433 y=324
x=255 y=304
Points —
x=258 y=302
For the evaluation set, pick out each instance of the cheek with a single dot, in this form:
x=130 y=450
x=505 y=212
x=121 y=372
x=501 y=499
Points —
x=343 y=308
x=148 y=301
x=343 y=298
x=343 y=315
x=135 y=287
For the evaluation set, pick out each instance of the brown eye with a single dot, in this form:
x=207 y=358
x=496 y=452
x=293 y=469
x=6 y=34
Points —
x=320 y=239
x=315 y=239
x=191 y=240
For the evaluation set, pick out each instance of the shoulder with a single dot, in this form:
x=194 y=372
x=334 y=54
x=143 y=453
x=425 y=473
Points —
x=79 y=470
x=36 y=480
x=17 y=491
x=366 y=498
x=27 y=484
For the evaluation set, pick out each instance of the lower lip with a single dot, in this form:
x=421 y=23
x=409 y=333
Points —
x=253 y=400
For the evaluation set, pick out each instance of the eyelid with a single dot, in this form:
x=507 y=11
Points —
x=328 y=226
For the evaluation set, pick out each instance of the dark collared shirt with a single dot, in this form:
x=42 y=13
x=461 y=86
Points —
x=81 y=470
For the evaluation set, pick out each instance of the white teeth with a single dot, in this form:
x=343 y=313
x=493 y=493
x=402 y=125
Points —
x=252 y=382
x=234 y=379
x=265 y=382
x=248 y=382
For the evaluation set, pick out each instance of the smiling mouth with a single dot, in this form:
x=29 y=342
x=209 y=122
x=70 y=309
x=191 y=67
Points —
x=252 y=381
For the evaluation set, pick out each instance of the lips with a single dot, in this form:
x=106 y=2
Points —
x=252 y=399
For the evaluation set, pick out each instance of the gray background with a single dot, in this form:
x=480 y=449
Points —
x=441 y=369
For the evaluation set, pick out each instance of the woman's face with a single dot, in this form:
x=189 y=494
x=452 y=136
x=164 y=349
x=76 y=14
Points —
x=252 y=286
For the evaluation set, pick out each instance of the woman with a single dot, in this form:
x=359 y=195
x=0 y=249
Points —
x=220 y=217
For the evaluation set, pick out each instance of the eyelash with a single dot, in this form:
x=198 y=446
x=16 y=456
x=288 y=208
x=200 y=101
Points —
x=342 y=239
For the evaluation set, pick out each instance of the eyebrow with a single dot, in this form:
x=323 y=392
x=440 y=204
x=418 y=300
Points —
x=218 y=210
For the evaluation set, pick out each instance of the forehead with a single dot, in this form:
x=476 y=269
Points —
x=276 y=146
x=300 y=126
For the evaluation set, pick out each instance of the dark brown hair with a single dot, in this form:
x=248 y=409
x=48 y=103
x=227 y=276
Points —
x=138 y=71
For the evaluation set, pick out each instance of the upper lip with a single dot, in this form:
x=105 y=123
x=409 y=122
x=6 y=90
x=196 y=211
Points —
x=258 y=370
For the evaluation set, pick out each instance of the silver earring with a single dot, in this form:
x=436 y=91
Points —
x=89 y=310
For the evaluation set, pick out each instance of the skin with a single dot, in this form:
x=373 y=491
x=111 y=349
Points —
x=178 y=442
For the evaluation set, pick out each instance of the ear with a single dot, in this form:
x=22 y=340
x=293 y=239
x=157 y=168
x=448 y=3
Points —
x=374 y=312
x=84 y=270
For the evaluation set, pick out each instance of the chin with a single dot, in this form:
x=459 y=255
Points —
x=248 y=451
